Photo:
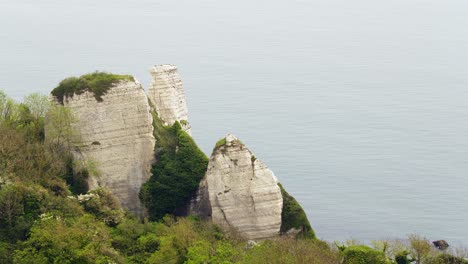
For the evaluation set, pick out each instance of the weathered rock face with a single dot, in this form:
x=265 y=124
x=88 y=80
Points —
x=167 y=95
x=240 y=192
x=116 y=134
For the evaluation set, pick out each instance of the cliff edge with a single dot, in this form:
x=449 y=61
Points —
x=116 y=134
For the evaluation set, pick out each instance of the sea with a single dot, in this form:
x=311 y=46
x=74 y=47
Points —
x=359 y=107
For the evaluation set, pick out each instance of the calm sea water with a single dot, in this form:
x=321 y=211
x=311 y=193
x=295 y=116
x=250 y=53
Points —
x=360 y=107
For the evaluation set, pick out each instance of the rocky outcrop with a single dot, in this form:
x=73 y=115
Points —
x=167 y=95
x=239 y=192
x=117 y=135
x=441 y=244
x=115 y=127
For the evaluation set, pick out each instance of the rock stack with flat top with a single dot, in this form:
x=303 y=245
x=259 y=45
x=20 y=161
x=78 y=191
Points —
x=167 y=94
x=117 y=136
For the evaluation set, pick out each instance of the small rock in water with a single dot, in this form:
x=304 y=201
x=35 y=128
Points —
x=441 y=244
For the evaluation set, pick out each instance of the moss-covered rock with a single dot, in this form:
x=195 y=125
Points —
x=97 y=82
x=220 y=143
x=294 y=217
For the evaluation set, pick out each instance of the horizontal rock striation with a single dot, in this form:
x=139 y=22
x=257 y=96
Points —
x=240 y=192
x=167 y=94
x=116 y=134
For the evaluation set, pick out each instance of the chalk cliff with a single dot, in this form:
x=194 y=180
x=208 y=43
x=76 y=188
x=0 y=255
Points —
x=115 y=127
x=167 y=94
x=116 y=134
x=239 y=192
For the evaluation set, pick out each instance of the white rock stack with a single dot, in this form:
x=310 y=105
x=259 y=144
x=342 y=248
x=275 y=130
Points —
x=167 y=94
x=243 y=193
x=116 y=134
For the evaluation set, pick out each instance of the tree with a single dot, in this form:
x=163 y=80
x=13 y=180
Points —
x=7 y=108
x=59 y=126
x=70 y=240
x=19 y=207
x=420 y=248
x=38 y=104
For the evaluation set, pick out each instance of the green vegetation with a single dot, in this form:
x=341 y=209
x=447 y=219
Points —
x=293 y=216
x=447 y=259
x=288 y=250
x=103 y=205
x=175 y=177
x=220 y=143
x=223 y=142
x=96 y=82
x=43 y=219
x=402 y=258
x=70 y=240
x=253 y=158
x=361 y=254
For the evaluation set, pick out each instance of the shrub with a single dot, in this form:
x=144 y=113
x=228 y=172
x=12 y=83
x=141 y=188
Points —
x=446 y=259
x=176 y=241
x=402 y=258
x=70 y=240
x=20 y=206
x=420 y=249
x=363 y=255
x=216 y=253
x=6 y=253
x=136 y=240
x=102 y=204
x=288 y=250
x=97 y=82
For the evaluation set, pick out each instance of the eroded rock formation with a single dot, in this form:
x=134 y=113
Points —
x=239 y=192
x=167 y=95
x=117 y=135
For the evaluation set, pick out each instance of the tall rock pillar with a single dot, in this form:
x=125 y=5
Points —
x=117 y=135
x=167 y=95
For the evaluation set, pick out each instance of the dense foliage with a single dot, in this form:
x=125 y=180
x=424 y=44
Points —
x=293 y=216
x=361 y=254
x=175 y=177
x=97 y=82
x=67 y=240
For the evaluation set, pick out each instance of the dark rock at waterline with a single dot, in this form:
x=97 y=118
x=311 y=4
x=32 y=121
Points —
x=441 y=244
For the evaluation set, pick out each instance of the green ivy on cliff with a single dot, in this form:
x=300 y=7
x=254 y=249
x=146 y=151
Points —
x=175 y=177
x=293 y=216
x=96 y=82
